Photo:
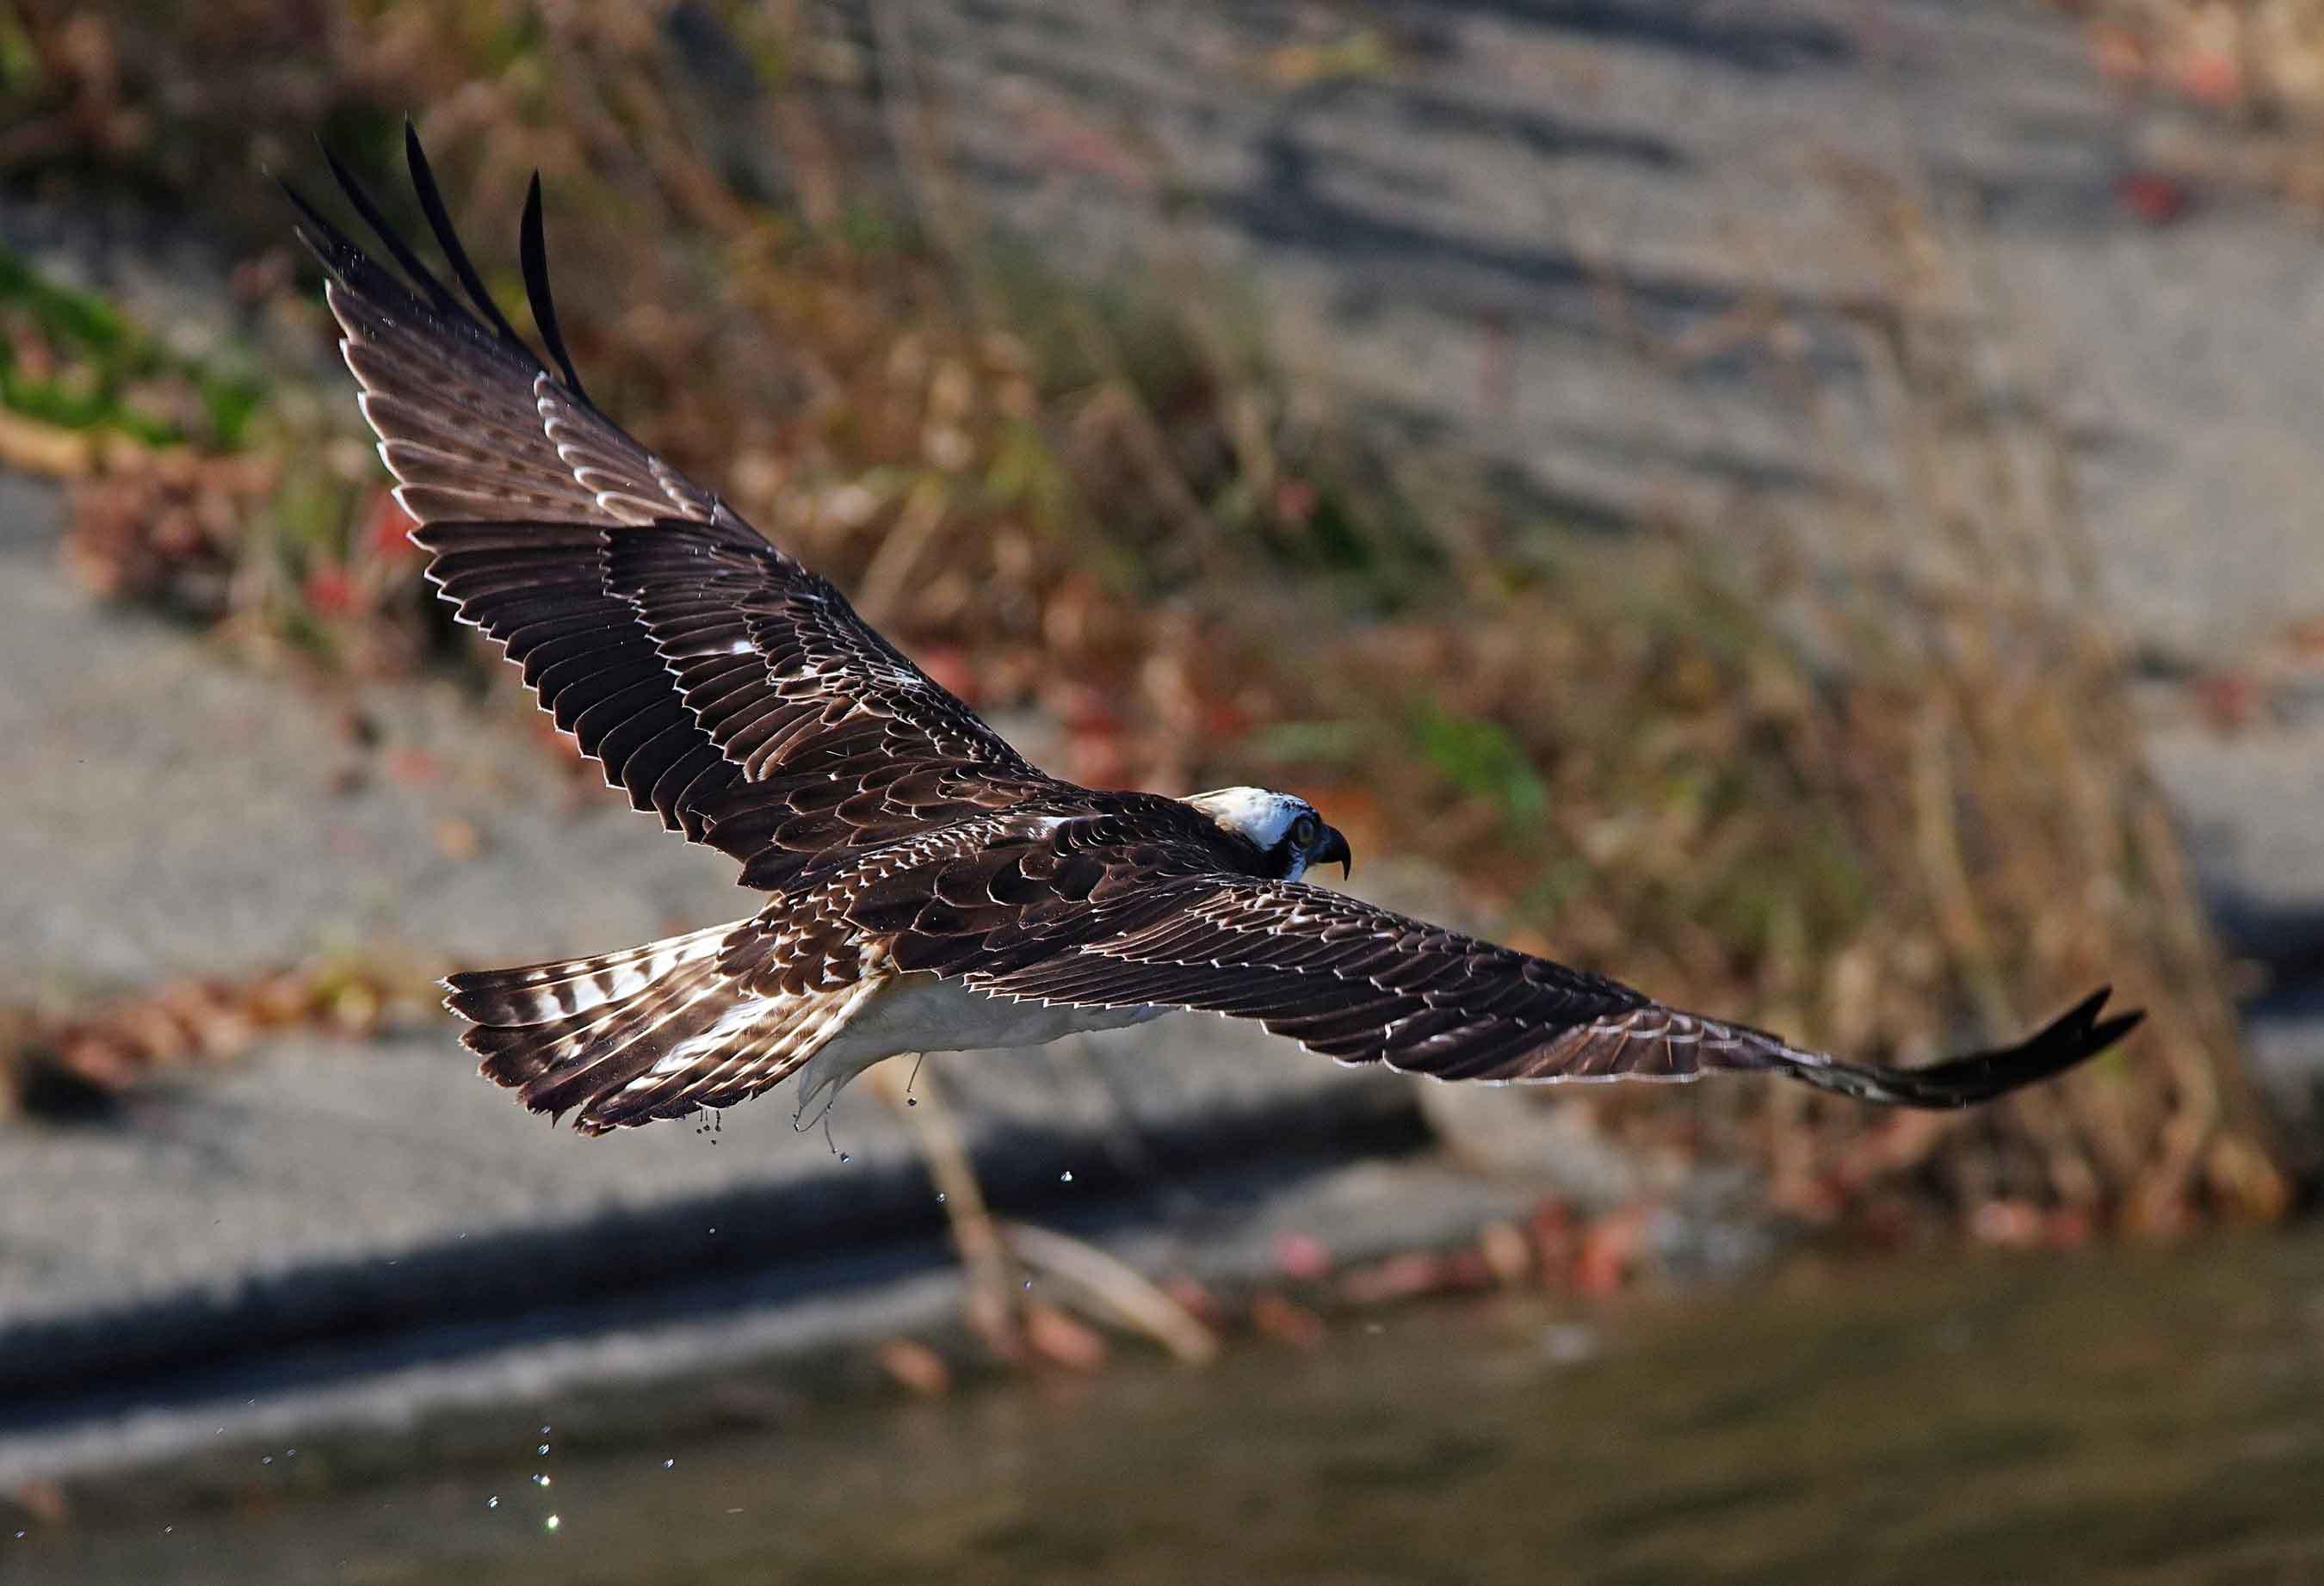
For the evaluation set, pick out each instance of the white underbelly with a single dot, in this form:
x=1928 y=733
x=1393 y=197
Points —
x=927 y=1013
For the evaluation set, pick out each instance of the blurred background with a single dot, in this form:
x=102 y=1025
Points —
x=1808 y=506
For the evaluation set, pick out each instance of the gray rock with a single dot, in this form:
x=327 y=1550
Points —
x=2251 y=803
x=1494 y=243
x=2285 y=1040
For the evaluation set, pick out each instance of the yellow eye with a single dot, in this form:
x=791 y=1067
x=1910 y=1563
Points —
x=1302 y=832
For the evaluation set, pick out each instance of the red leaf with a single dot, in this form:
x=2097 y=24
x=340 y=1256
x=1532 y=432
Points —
x=330 y=591
x=2155 y=198
x=387 y=529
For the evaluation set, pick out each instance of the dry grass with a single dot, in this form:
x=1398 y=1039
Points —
x=2260 y=59
x=2232 y=93
x=1910 y=810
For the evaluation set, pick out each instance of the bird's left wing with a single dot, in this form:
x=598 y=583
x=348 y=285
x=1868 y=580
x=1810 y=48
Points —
x=721 y=683
x=1365 y=985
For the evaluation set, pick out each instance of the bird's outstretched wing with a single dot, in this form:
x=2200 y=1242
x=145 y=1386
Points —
x=1363 y=984
x=719 y=682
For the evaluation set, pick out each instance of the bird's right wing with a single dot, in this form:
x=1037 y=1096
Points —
x=721 y=683
x=471 y=422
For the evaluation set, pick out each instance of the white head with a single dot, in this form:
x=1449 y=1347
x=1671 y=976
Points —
x=1285 y=829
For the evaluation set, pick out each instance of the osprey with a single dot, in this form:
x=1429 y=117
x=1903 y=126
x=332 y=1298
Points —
x=926 y=888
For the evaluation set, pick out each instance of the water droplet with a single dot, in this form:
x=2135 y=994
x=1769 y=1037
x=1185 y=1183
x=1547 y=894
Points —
x=1029 y=1283
x=844 y=1156
x=1570 y=1343
x=1066 y=1176
x=290 y=1453
x=167 y=1529
x=492 y=1502
x=911 y=1100
x=267 y=1459
x=669 y=1464
x=940 y=1197
x=543 y=1449
x=545 y=1431
x=551 y=1523
x=540 y=1480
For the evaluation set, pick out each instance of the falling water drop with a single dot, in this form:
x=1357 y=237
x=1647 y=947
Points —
x=492 y=1502
x=550 y=1524
x=1066 y=1176
x=669 y=1464
x=940 y=1197
x=543 y=1449
x=844 y=1156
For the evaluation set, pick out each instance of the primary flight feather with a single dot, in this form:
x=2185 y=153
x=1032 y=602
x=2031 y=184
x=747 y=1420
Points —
x=928 y=888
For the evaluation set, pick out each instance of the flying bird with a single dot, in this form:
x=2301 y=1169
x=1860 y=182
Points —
x=925 y=887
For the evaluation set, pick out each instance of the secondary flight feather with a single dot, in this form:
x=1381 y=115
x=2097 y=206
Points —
x=926 y=888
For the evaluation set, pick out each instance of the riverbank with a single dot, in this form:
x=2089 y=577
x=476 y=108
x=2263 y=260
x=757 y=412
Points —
x=2140 y=1416
x=353 y=1232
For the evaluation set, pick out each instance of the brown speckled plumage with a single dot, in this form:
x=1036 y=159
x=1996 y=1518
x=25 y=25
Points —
x=901 y=842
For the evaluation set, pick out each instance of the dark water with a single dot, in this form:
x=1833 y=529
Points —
x=2133 y=1415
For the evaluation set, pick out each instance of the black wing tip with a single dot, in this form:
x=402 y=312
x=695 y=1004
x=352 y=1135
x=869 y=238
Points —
x=532 y=258
x=2081 y=1030
x=332 y=248
x=346 y=263
x=448 y=236
x=2072 y=1038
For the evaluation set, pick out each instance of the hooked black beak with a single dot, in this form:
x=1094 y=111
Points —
x=1333 y=849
